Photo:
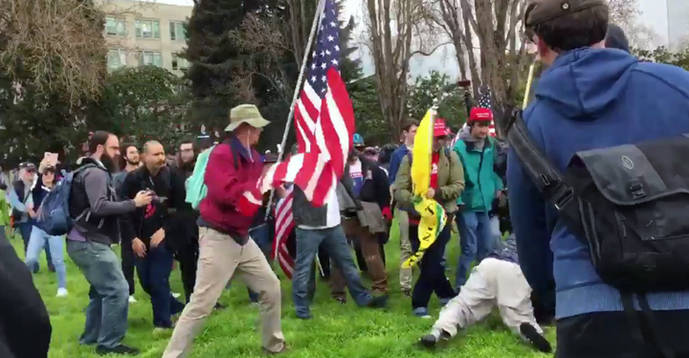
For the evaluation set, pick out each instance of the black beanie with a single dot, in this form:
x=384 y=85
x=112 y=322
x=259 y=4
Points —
x=616 y=38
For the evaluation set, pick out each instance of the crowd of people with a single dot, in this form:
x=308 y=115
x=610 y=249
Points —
x=534 y=270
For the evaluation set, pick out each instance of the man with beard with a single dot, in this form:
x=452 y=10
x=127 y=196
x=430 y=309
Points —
x=131 y=160
x=94 y=206
x=184 y=237
x=146 y=228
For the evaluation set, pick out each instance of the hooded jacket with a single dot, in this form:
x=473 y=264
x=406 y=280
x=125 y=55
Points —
x=480 y=178
x=589 y=98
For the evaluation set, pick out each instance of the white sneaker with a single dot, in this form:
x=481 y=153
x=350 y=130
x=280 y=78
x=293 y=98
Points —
x=132 y=299
x=62 y=292
x=176 y=295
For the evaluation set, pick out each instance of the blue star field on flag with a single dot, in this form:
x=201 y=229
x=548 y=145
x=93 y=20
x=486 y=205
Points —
x=484 y=98
x=327 y=51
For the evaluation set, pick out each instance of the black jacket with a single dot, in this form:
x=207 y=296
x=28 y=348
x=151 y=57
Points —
x=376 y=189
x=169 y=198
x=24 y=322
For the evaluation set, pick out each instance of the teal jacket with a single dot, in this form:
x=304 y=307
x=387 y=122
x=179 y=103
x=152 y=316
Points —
x=482 y=183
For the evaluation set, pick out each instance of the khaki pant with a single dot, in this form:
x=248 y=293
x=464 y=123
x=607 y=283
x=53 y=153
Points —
x=370 y=248
x=492 y=283
x=219 y=257
x=405 y=249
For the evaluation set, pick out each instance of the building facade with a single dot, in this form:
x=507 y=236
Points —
x=678 y=23
x=142 y=33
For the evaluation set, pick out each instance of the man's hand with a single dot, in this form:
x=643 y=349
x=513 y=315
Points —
x=139 y=247
x=430 y=194
x=157 y=238
x=32 y=214
x=143 y=198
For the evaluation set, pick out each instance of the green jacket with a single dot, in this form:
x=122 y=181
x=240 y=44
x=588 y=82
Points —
x=482 y=182
x=450 y=182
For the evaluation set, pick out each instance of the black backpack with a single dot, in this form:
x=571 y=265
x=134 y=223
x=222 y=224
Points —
x=628 y=204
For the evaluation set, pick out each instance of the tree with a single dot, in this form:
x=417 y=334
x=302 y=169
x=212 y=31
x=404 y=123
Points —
x=437 y=87
x=52 y=66
x=663 y=55
x=214 y=58
x=53 y=47
x=144 y=103
x=625 y=13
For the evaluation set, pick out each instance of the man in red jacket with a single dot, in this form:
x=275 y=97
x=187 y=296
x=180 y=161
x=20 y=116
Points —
x=224 y=243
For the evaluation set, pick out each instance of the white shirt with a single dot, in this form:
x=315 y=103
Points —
x=333 y=213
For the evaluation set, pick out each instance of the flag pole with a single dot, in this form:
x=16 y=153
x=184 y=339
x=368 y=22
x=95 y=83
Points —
x=295 y=96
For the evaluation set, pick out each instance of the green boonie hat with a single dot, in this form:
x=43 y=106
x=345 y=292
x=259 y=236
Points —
x=246 y=113
x=540 y=11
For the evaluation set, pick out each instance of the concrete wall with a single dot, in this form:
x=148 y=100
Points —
x=130 y=11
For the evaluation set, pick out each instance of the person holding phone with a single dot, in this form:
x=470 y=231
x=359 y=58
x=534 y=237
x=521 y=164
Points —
x=147 y=229
x=39 y=238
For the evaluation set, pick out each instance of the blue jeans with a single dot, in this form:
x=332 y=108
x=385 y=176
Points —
x=25 y=230
x=335 y=243
x=476 y=239
x=154 y=276
x=37 y=242
x=106 y=314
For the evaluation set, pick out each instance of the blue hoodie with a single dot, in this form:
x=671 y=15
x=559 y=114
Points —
x=589 y=98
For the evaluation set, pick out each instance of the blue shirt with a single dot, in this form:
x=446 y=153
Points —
x=589 y=98
x=395 y=161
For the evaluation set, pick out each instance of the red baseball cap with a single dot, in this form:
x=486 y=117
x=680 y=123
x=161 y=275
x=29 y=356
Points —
x=440 y=129
x=480 y=114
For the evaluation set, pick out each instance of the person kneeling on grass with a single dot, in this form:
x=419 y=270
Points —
x=496 y=281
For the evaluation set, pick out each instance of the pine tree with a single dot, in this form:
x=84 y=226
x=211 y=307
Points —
x=214 y=58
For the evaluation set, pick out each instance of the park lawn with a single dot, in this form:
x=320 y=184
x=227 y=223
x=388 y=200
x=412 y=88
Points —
x=335 y=331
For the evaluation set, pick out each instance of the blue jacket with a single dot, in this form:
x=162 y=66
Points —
x=589 y=98
x=395 y=162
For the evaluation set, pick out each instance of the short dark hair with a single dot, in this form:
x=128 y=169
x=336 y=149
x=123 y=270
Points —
x=126 y=146
x=187 y=140
x=579 y=29
x=408 y=124
x=98 y=138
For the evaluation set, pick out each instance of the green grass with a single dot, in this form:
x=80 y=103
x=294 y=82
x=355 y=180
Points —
x=335 y=331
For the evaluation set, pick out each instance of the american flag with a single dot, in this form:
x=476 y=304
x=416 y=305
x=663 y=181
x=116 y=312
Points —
x=485 y=101
x=284 y=224
x=324 y=124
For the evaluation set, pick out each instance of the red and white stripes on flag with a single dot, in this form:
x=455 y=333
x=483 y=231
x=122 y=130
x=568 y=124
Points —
x=284 y=224
x=316 y=173
x=324 y=126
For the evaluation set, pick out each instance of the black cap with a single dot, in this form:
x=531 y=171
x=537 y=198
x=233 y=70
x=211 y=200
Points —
x=540 y=11
x=616 y=38
x=27 y=165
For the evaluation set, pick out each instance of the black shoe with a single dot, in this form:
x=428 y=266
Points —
x=341 y=300
x=121 y=349
x=220 y=306
x=378 y=302
x=538 y=341
x=428 y=341
x=51 y=268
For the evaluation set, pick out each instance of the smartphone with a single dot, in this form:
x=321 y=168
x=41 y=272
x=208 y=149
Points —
x=50 y=158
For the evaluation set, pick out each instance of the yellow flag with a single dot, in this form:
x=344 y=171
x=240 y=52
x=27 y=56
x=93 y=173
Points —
x=433 y=218
x=421 y=154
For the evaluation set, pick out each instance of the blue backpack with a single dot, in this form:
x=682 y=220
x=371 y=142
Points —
x=53 y=216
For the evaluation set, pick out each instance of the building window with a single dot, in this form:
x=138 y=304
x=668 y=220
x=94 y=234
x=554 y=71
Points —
x=177 y=32
x=116 y=58
x=115 y=26
x=179 y=63
x=151 y=58
x=147 y=29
